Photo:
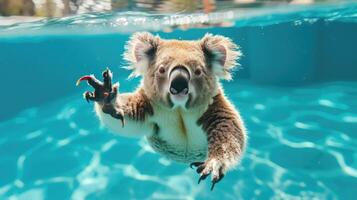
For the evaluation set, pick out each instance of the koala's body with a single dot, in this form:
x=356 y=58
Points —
x=180 y=106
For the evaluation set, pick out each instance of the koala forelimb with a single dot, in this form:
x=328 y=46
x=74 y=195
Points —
x=180 y=105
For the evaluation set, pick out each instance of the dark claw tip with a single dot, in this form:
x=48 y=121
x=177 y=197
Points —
x=87 y=96
x=191 y=165
x=106 y=72
x=213 y=184
x=196 y=164
x=216 y=180
x=122 y=122
x=203 y=177
x=200 y=169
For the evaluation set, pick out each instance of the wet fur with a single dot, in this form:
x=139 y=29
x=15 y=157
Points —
x=209 y=128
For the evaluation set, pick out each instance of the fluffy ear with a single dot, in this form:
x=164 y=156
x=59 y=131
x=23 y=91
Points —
x=140 y=50
x=221 y=53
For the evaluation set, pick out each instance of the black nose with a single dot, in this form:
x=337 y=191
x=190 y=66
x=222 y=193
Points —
x=179 y=85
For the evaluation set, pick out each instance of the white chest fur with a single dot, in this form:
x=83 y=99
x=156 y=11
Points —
x=179 y=136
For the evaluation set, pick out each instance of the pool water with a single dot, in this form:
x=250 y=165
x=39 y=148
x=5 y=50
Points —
x=296 y=91
x=302 y=143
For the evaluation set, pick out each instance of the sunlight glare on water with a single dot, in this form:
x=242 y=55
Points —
x=281 y=161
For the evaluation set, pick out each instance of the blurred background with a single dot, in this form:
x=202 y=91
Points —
x=58 y=8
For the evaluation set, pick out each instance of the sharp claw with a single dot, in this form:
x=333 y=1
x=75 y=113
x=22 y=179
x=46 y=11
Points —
x=120 y=115
x=91 y=81
x=213 y=184
x=203 y=177
x=88 y=96
x=83 y=78
x=196 y=164
x=200 y=169
x=106 y=71
x=122 y=122
x=216 y=180
x=107 y=76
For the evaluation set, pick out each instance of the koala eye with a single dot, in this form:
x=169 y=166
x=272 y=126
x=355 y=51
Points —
x=162 y=70
x=198 y=72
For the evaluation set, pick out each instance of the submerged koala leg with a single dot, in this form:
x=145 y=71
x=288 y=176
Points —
x=226 y=140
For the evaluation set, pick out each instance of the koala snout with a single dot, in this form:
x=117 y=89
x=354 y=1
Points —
x=179 y=79
x=179 y=85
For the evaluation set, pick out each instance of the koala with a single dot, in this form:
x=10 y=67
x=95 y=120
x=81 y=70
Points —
x=180 y=106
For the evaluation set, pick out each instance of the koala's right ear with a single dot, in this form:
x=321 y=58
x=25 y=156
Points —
x=140 y=50
x=222 y=53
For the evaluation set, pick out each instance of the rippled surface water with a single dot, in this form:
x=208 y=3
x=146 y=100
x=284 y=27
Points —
x=302 y=144
x=127 y=22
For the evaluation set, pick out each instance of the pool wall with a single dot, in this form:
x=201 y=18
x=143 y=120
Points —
x=38 y=69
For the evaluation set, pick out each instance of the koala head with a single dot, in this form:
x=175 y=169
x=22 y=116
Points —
x=181 y=73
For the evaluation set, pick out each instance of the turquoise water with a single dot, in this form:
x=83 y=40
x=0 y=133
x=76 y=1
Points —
x=296 y=90
x=302 y=144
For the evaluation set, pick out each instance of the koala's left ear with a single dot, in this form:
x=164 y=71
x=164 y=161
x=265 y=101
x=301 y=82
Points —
x=140 y=50
x=221 y=53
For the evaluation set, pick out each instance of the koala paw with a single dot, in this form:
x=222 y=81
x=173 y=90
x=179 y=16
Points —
x=211 y=166
x=104 y=93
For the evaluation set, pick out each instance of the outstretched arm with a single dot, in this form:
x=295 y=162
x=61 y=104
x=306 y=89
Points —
x=126 y=113
x=226 y=139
